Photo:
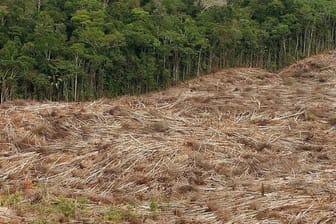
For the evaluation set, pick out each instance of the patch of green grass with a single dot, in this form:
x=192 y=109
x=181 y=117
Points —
x=66 y=206
x=154 y=207
x=10 y=200
x=120 y=215
x=82 y=201
x=114 y=214
x=48 y=208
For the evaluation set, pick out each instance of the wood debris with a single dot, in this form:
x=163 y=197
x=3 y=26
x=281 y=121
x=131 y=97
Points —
x=219 y=153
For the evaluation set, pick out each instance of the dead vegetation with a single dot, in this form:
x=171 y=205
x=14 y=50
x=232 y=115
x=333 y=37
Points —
x=240 y=146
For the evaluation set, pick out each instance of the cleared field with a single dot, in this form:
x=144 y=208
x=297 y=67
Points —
x=239 y=146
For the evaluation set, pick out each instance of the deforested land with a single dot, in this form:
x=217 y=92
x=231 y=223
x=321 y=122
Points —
x=241 y=145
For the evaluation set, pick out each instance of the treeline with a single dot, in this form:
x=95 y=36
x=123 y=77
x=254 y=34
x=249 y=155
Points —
x=84 y=49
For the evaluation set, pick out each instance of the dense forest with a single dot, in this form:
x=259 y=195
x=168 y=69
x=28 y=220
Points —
x=84 y=49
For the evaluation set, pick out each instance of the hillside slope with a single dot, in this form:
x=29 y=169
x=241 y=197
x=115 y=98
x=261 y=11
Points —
x=240 y=146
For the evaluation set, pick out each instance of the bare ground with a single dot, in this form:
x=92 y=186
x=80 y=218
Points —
x=240 y=146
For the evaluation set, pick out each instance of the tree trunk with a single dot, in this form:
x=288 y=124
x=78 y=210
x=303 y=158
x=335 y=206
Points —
x=199 y=62
x=38 y=6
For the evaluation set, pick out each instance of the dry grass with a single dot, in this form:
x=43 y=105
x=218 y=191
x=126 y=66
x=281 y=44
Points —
x=240 y=146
